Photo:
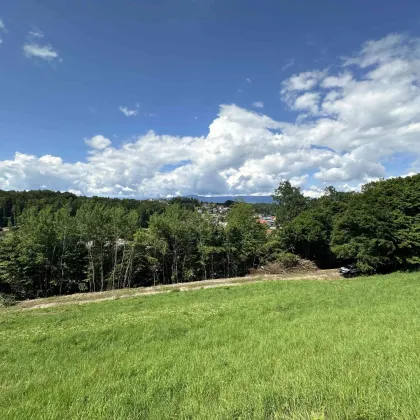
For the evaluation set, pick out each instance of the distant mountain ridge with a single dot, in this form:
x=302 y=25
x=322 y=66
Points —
x=247 y=198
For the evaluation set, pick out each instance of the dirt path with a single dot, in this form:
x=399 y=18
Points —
x=83 y=298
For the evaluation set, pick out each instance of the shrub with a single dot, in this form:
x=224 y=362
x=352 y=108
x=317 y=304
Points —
x=7 y=300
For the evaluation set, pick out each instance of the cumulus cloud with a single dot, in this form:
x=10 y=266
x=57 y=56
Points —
x=350 y=123
x=302 y=81
x=98 y=142
x=313 y=192
x=258 y=104
x=339 y=81
x=307 y=102
x=128 y=112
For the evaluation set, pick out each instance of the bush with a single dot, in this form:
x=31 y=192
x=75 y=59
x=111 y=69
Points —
x=287 y=259
x=7 y=300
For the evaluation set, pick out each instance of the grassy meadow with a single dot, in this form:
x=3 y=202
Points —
x=343 y=349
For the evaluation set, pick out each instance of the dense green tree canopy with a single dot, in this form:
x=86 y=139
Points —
x=290 y=202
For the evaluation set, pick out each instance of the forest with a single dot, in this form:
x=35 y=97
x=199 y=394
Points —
x=58 y=243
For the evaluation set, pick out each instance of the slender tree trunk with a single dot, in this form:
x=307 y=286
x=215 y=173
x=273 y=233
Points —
x=183 y=267
x=163 y=270
x=122 y=265
x=115 y=263
x=175 y=267
x=52 y=265
x=102 y=266
x=228 y=263
x=63 y=247
x=92 y=268
x=127 y=276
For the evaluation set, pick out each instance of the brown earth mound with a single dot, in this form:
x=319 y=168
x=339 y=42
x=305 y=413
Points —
x=275 y=267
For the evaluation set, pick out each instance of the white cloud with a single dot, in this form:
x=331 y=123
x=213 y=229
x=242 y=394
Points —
x=302 y=81
x=249 y=80
x=307 y=102
x=349 y=169
x=350 y=124
x=297 y=85
x=44 y=52
x=313 y=192
x=32 y=49
x=98 y=142
x=128 y=112
x=258 y=104
x=339 y=81
x=383 y=50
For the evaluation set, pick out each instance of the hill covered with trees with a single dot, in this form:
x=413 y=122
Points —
x=58 y=243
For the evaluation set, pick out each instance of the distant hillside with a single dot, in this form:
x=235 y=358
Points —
x=247 y=198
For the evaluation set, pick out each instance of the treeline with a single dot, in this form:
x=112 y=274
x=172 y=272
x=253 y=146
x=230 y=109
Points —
x=378 y=228
x=60 y=243
x=101 y=247
x=13 y=204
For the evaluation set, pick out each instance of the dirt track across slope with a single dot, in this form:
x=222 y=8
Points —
x=83 y=298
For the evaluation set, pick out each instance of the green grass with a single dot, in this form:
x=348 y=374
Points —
x=347 y=349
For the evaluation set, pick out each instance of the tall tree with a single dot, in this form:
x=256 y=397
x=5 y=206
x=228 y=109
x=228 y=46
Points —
x=245 y=238
x=290 y=202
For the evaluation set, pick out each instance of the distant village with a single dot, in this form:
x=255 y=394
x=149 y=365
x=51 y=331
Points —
x=218 y=213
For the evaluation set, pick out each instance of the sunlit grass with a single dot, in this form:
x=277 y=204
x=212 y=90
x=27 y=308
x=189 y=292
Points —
x=347 y=349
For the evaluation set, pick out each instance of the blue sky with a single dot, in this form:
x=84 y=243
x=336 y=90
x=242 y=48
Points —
x=73 y=71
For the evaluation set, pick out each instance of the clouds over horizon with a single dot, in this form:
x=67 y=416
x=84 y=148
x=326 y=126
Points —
x=349 y=125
